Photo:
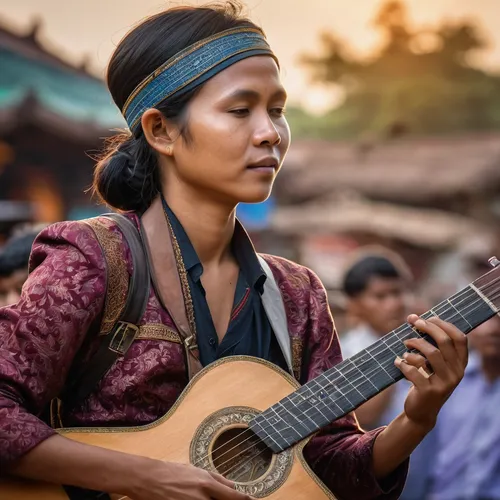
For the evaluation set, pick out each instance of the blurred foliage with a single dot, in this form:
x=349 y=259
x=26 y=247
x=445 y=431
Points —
x=420 y=81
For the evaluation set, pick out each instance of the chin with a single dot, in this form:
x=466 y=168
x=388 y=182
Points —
x=254 y=195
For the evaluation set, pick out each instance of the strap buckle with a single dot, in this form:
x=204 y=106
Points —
x=123 y=335
x=188 y=345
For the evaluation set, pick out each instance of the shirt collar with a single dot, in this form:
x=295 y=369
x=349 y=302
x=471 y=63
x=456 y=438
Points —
x=242 y=246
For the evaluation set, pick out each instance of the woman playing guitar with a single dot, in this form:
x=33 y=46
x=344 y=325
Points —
x=201 y=93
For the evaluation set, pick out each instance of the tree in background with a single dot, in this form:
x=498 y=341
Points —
x=420 y=80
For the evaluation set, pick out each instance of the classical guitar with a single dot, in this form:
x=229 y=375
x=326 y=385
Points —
x=248 y=420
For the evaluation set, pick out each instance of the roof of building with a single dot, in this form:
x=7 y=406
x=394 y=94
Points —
x=408 y=170
x=419 y=227
x=37 y=85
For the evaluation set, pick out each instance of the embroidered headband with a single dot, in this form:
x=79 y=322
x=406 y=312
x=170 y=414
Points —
x=193 y=66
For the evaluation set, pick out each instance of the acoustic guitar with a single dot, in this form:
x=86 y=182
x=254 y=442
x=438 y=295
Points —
x=248 y=420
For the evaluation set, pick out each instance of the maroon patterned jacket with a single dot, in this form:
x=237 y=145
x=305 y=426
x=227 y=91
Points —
x=43 y=334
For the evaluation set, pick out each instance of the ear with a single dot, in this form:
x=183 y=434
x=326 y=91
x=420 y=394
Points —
x=160 y=132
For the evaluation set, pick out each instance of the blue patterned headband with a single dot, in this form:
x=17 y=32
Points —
x=193 y=66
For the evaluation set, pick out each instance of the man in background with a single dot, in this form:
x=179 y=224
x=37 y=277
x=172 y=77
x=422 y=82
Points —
x=376 y=285
x=460 y=458
x=14 y=256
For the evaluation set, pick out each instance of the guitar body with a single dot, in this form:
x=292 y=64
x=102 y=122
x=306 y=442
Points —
x=206 y=427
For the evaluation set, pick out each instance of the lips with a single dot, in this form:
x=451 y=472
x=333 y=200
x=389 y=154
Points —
x=268 y=162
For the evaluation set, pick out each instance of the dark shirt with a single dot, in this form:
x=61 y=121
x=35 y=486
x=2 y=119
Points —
x=249 y=331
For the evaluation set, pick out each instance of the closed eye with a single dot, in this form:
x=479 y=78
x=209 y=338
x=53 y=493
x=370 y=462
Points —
x=240 y=111
x=278 y=111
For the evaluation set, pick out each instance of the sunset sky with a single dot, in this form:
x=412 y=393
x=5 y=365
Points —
x=93 y=27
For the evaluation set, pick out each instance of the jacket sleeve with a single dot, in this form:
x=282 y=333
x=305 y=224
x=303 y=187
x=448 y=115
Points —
x=40 y=335
x=341 y=454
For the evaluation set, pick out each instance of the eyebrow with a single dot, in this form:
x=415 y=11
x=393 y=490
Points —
x=253 y=94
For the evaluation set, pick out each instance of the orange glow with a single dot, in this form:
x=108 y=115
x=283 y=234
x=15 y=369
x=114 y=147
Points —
x=292 y=27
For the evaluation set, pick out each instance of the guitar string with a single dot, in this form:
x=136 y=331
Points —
x=237 y=466
x=349 y=383
x=464 y=292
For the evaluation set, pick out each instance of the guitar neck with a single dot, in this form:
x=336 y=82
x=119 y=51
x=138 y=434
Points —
x=354 y=381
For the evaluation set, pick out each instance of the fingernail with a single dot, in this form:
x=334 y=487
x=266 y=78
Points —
x=405 y=355
x=398 y=361
x=420 y=322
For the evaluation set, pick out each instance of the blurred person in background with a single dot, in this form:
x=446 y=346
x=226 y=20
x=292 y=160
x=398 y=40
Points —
x=460 y=458
x=14 y=257
x=376 y=285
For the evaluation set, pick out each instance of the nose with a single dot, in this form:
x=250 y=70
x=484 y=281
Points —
x=267 y=133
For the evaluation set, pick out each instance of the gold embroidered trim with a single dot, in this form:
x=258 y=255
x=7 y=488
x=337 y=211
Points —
x=118 y=278
x=297 y=353
x=186 y=292
x=157 y=331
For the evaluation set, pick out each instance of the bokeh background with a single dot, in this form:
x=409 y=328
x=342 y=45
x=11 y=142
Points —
x=394 y=109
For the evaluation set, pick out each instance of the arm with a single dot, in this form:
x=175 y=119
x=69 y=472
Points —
x=39 y=337
x=342 y=455
x=448 y=361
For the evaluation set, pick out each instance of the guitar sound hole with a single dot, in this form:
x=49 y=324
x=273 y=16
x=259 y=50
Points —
x=240 y=455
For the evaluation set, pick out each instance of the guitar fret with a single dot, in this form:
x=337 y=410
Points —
x=380 y=364
x=314 y=406
x=363 y=375
x=460 y=314
x=313 y=428
x=344 y=387
x=337 y=386
x=295 y=418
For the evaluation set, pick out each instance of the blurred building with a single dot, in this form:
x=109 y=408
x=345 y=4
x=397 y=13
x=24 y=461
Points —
x=53 y=116
x=426 y=198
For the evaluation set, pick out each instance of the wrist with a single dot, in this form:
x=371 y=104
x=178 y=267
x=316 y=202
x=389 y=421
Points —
x=136 y=474
x=419 y=427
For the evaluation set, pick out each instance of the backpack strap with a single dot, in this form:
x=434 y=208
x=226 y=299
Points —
x=124 y=331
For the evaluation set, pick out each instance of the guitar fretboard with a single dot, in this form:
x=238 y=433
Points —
x=352 y=382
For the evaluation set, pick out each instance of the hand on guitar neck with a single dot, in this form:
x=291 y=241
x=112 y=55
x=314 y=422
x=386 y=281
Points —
x=446 y=361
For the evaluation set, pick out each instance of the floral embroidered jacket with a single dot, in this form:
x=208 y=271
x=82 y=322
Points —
x=46 y=332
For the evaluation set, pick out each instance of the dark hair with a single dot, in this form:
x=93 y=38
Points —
x=14 y=255
x=358 y=276
x=127 y=175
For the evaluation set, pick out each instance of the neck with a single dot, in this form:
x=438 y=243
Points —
x=208 y=224
x=491 y=368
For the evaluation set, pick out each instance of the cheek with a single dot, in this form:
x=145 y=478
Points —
x=221 y=138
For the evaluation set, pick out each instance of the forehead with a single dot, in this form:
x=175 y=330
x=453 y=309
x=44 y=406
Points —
x=380 y=284
x=260 y=73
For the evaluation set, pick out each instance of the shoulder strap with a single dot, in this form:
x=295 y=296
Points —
x=117 y=342
x=275 y=311
x=162 y=248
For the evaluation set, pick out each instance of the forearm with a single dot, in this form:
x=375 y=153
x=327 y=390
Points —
x=395 y=444
x=63 y=461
